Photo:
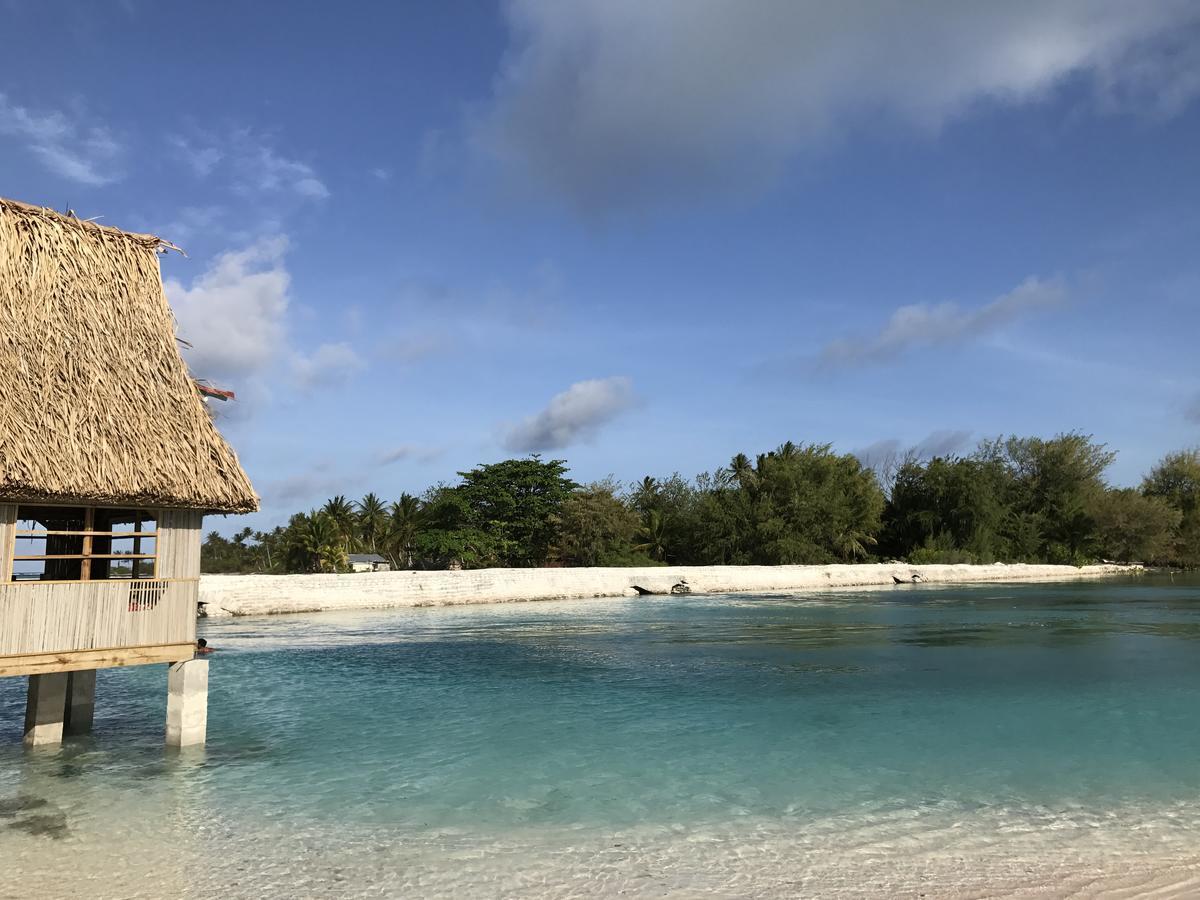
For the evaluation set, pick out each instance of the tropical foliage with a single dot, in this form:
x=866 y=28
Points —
x=1015 y=499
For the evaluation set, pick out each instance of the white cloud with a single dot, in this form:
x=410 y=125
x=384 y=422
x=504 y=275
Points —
x=252 y=161
x=946 y=323
x=576 y=414
x=84 y=154
x=330 y=365
x=882 y=454
x=608 y=101
x=200 y=158
x=269 y=171
x=233 y=315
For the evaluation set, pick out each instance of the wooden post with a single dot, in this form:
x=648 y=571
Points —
x=45 y=708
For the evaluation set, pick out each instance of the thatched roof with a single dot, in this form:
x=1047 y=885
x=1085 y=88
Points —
x=96 y=404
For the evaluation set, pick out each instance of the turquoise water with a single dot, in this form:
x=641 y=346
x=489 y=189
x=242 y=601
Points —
x=471 y=749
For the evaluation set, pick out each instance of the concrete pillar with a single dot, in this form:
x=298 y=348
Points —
x=45 y=708
x=187 y=703
x=81 y=701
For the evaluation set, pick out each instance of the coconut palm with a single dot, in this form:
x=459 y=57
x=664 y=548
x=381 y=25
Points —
x=372 y=521
x=403 y=525
x=653 y=536
x=742 y=470
x=852 y=544
x=644 y=494
x=341 y=513
x=321 y=542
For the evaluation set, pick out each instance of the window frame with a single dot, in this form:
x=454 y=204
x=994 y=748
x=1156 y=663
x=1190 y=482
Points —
x=88 y=532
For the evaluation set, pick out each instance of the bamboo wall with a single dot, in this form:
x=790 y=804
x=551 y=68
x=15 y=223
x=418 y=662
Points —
x=179 y=543
x=64 y=616
x=8 y=517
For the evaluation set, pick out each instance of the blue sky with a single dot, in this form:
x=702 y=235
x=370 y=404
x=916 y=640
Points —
x=641 y=237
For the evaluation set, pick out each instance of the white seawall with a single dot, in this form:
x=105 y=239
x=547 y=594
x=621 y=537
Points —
x=260 y=595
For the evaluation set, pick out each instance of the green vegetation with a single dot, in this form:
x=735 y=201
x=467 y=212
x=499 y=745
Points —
x=1013 y=499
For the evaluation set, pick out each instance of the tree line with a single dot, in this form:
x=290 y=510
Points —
x=1015 y=499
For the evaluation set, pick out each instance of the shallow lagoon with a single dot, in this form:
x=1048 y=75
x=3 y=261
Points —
x=936 y=740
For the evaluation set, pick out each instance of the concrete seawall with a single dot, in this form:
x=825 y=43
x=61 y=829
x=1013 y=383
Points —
x=260 y=595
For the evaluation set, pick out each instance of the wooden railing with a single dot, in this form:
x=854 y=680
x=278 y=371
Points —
x=64 y=616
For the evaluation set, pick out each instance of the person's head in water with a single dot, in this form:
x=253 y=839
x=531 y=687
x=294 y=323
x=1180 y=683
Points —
x=201 y=643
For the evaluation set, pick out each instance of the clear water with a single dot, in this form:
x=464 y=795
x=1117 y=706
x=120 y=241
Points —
x=922 y=739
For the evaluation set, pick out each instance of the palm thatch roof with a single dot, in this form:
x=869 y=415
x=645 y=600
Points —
x=96 y=404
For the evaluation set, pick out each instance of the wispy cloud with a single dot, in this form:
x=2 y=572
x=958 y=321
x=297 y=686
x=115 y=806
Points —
x=233 y=314
x=578 y=413
x=329 y=365
x=882 y=454
x=86 y=154
x=251 y=160
x=608 y=103
x=199 y=156
x=924 y=325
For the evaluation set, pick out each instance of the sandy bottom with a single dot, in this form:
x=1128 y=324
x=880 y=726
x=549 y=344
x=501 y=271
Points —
x=191 y=852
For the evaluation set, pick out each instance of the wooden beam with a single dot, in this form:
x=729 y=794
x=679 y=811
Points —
x=45 y=663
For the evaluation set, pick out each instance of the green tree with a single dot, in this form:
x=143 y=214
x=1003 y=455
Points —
x=678 y=503
x=812 y=505
x=220 y=555
x=372 y=519
x=451 y=535
x=1131 y=527
x=644 y=495
x=340 y=513
x=405 y=518
x=518 y=502
x=1176 y=480
x=316 y=544
x=1059 y=481
x=596 y=528
x=652 y=536
x=951 y=508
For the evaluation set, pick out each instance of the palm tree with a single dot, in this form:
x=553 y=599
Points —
x=852 y=544
x=644 y=494
x=372 y=520
x=742 y=471
x=341 y=514
x=321 y=542
x=653 y=536
x=404 y=522
x=787 y=450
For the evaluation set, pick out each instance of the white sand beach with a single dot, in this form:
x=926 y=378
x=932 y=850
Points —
x=261 y=595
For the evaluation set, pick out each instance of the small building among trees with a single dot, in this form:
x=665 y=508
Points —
x=367 y=562
x=109 y=459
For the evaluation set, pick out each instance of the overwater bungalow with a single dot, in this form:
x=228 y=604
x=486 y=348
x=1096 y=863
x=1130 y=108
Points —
x=109 y=459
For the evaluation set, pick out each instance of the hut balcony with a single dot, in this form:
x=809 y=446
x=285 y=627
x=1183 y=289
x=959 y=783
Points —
x=93 y=587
